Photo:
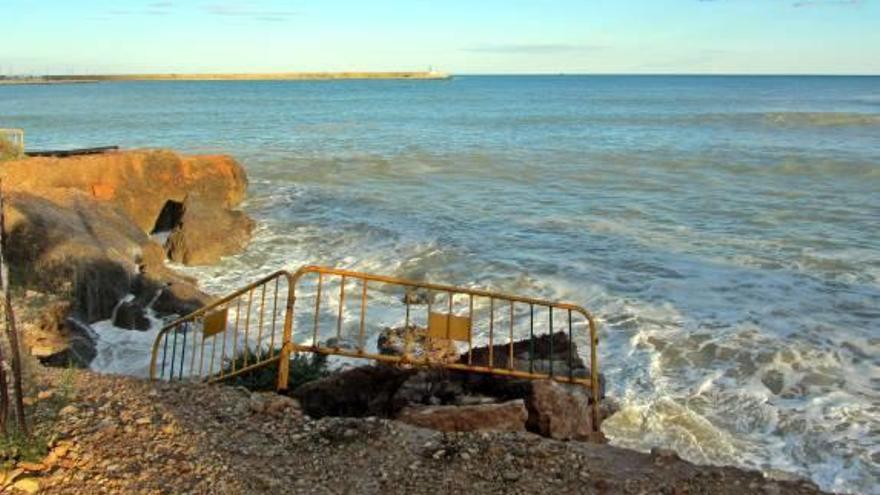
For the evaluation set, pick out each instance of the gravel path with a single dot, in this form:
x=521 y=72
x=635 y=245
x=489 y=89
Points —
x=123 y=435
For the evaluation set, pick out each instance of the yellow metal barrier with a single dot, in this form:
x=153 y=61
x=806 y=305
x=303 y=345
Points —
x=233 y=335
x=315 y=321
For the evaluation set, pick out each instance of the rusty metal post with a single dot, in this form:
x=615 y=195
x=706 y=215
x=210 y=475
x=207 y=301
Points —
x=286 y=344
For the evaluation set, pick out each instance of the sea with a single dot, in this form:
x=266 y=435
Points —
x=724 y=230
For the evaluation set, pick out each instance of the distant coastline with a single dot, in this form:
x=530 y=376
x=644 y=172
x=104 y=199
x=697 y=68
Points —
x=275 y=76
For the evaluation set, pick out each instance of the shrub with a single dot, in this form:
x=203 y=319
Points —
x=304 y=368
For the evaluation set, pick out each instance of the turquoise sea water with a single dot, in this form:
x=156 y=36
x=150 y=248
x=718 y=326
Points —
x=726 y=230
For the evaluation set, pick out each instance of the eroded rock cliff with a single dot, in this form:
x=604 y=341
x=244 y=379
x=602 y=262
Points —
x=82 y=228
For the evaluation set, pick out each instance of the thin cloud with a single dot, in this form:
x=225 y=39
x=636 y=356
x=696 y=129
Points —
x=248 y=11
x=818 y=3
x=152 y=8
x=810 y=3
x=533 y=48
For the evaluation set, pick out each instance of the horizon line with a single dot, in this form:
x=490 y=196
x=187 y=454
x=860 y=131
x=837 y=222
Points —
x=446 y=73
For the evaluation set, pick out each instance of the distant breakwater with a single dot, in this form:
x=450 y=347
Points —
x=275 y=76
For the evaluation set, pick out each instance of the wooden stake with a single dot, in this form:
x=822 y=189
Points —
x=11 y=331
x=4 y=395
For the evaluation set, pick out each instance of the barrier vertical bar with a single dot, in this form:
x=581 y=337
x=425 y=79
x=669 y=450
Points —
x=274 y=318
x=511 y=336
x=361 y=342
x=247 y=328
x=214 y=351
x=317 y=310
x=550 y=310
x=164 y=355
x=570 y=349
x=339 y=316
x=259 y=355
x=531 y=338
x=286 y=345
x=183 y=352
x=449 y=318
x=235 y=335
x=173 y=355
x=491 y=330
x=192 y=359
x=471 y=329
x=407 y=341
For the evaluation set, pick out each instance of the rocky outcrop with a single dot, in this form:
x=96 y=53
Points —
x=80 y=228
x=358 y=392
x=50 y=335
x=206 y=233
x=559 y=412
x=140 y=183
x=505 y=416
x=444 y=400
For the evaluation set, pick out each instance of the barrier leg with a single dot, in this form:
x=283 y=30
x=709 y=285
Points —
x=286 y=344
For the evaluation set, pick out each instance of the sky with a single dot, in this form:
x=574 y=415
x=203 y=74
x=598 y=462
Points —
x=457 y=36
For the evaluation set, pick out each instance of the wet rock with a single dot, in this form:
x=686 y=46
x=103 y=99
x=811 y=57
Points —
x=132 y=316
x=430 y=386
x=417 y=297
x=559 y=412
x=73 y=344
x=206 y=233
x=546 y=351
x=362 y=391
x=507 y=416
x=180 y=298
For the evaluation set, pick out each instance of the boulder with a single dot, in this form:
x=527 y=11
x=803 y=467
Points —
x=164 y=290
x=131 y=315
x=415 y=344
x=559 y=412
x=206 y=233
x=358 y=392
x=430 y=386
x=48 y=334
x=506 y=416
x=504 y=388
x=545 y=350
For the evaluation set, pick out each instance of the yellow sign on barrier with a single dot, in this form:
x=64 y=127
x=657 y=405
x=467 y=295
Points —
x=440 y=326
x=215 y=322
